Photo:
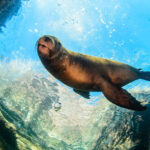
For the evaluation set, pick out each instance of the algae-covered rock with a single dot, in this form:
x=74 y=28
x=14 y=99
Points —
x=27 y=100
x=8 y=8
x=7 y=135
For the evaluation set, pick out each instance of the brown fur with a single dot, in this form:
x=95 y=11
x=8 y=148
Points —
x=89 y=73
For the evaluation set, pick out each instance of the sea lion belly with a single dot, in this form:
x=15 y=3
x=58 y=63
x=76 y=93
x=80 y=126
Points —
x=78 y=78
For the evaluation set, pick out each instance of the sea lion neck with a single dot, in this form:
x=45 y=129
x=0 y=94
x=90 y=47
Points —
x=56 y=59
x=57 y=64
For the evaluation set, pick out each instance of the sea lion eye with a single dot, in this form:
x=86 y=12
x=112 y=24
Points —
x=47 y=39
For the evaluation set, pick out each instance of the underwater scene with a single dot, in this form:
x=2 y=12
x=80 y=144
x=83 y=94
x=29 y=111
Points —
x=40 y=112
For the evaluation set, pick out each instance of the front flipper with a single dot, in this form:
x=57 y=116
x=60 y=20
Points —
x=85 y=94
x=121 y=97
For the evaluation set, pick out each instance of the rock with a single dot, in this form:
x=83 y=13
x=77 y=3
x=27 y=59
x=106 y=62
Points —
x=8 y=9
x=28 y=117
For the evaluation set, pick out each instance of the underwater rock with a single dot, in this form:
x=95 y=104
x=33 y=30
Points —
x=8 y=9
x=29 y=119
x=7 y=136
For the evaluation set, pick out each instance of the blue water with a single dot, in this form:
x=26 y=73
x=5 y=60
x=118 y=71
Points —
x=113 y=29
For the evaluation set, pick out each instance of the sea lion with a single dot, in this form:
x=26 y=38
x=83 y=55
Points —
x=88 y=73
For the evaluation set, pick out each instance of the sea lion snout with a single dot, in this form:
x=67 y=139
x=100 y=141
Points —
x=45 y=46
x=48 y=46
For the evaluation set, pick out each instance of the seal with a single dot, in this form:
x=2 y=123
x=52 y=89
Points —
x=86 y=73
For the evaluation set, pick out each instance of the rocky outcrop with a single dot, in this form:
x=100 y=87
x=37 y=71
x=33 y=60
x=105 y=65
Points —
x=29 y=121
x=8 y=8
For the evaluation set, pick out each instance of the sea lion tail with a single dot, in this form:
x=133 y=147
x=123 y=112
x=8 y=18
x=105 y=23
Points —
x=145 y=75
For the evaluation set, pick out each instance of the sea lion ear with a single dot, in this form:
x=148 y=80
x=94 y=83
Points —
x=58 y=45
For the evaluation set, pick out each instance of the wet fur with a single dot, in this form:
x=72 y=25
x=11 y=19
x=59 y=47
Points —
x=88 y=73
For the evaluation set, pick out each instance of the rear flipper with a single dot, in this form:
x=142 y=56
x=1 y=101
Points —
x=145 y=75
x=121 y=97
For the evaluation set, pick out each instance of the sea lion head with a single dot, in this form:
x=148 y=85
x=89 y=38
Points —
x=48 y=46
